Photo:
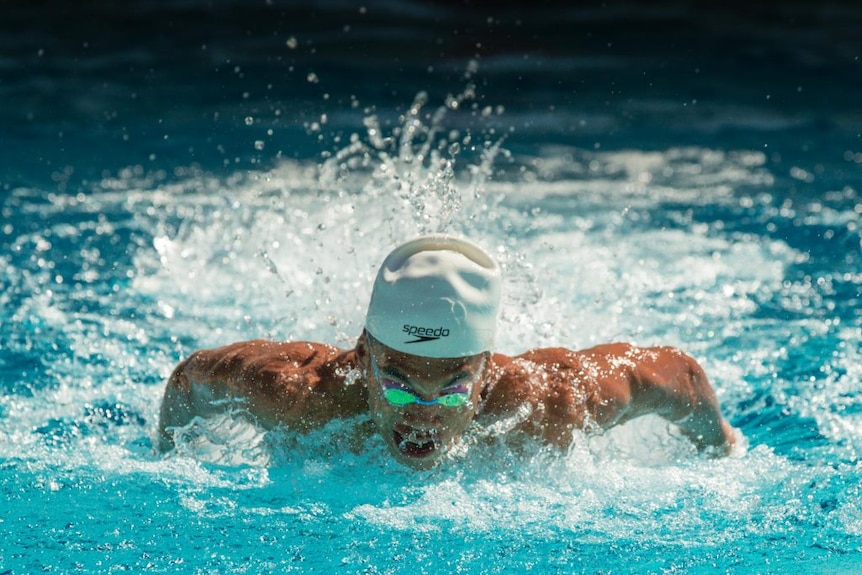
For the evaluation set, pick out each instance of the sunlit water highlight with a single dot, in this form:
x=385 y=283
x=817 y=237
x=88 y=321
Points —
x=106 y=288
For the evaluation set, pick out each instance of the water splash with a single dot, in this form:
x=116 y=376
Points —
x=412 y=167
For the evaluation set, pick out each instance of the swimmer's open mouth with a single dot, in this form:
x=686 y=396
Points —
x=415 y=443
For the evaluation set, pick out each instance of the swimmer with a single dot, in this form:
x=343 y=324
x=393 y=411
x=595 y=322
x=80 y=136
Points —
x=424 y=370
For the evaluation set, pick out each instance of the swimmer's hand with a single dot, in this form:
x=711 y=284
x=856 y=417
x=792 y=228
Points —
x=711 y=438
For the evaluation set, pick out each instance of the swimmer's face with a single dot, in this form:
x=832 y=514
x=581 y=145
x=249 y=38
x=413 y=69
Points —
x=421 y=405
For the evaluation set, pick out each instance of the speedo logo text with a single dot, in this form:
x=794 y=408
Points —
x=421 y=334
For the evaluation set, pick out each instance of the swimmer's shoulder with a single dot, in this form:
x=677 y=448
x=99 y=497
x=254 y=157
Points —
x=285 y=381
x=263 y=355
x=536 y=375
x=515 y=381
x=276 y=369
x=522 y=367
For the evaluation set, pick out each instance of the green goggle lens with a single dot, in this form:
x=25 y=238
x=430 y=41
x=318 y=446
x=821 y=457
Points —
x=400 y=398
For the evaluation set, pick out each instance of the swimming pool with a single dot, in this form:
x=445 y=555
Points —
x=164 y=192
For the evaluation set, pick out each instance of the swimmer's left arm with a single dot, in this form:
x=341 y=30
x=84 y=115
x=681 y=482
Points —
x=669 y=383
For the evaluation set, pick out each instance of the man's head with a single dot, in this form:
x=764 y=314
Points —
x=429 y=331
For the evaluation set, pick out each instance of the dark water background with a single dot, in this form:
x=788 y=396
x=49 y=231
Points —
x=173 y=83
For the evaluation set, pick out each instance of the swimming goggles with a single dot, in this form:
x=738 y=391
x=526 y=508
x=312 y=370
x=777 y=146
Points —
x=397 y=394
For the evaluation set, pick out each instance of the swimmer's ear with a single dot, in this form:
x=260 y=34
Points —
x=362 y=349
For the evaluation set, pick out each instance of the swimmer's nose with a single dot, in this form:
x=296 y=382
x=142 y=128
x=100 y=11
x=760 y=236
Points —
x=422 y=416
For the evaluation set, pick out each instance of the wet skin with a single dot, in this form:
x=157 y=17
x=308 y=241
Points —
x=555 y=392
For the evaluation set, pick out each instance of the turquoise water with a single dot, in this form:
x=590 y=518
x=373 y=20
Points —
x=160 y=196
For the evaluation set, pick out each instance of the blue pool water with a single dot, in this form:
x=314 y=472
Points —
x=181 y=175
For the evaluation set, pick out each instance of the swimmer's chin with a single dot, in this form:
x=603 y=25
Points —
x=419 y=464
x=418 y=455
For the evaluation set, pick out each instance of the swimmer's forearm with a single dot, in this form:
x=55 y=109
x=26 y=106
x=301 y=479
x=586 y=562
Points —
x=703 y=423
x=679 y=390
x=707 y=429
x=184 y=400
x=176 y=410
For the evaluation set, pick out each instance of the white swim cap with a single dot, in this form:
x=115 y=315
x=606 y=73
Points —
x=436 y=296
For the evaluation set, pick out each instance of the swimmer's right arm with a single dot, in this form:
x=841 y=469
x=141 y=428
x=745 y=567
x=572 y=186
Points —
x=251 y=374
x=301 y=385
x=186 y=399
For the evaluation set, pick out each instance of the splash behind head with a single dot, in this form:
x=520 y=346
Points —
x=436 y=296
